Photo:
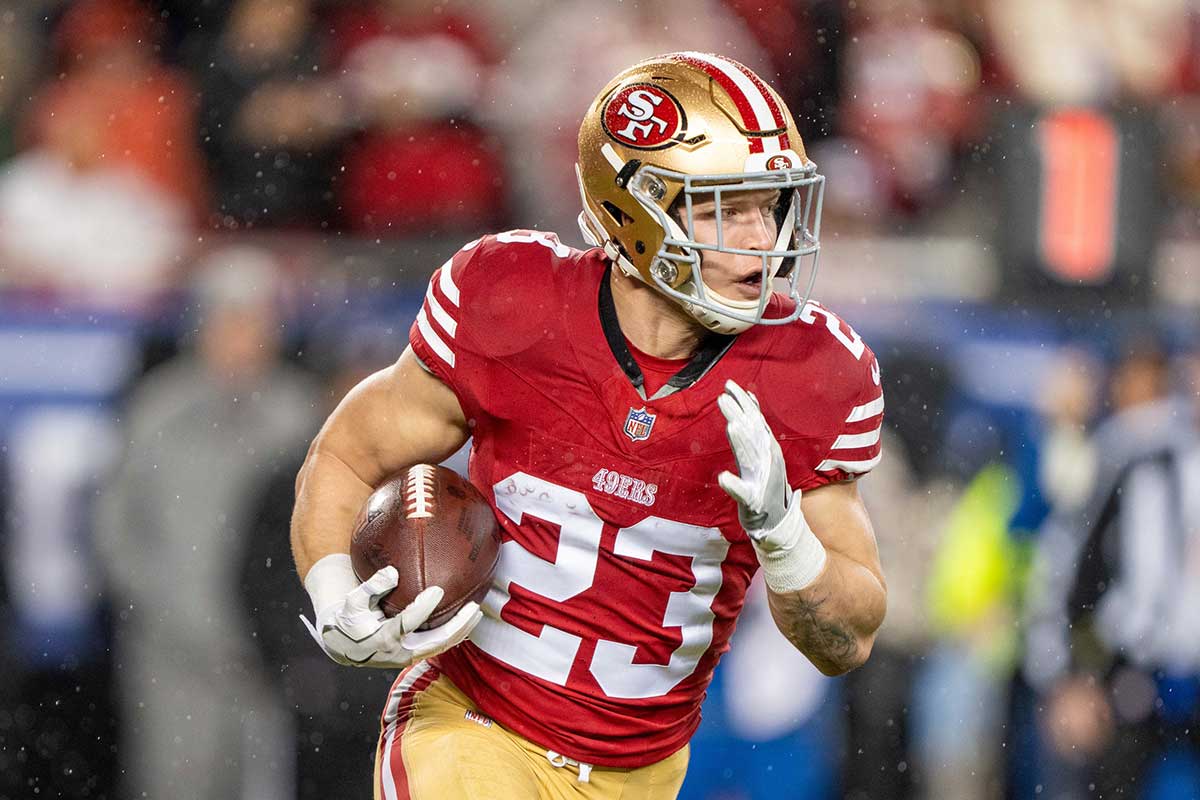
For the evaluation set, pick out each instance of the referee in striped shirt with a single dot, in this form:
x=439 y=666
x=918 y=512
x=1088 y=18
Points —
x=1114 y=637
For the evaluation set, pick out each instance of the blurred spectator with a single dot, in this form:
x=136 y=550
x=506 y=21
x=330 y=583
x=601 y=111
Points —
x=559 y=65
x=1114 y=644
x=961 y=689
x=115 y=104
x=881 y=756
x=104 y=200
x=1082 y=52
x=204 y=431
x=18 y=62
x=58 y=723
x=1067 y=463
x=909 y=83
x=335 y=710
x=416 y=70
x=272 y=118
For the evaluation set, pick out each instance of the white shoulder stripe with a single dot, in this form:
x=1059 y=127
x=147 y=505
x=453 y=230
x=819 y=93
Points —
x=866 y=410
x=830 y=464
x=433 y=340
x=851 y=441
x=445 y=320
x=446 y=283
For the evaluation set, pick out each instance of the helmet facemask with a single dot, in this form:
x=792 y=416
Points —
x=794 y=254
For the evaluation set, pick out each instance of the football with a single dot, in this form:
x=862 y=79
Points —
x=436 y=529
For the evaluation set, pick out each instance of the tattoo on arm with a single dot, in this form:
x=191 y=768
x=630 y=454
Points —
x=813 y=631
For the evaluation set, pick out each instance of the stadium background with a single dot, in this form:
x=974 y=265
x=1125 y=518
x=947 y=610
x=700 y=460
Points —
x=1012 y=220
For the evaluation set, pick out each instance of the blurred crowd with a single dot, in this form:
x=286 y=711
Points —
x=131 y=130
x=217 y=215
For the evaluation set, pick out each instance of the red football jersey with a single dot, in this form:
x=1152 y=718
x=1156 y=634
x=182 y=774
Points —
x=624 y=566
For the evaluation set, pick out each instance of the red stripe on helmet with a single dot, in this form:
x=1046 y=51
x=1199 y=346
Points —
x=740 y=101
x=776 y=113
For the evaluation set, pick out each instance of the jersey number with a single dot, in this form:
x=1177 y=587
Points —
x=550 y=654
x=544 y=238
x=853 y=342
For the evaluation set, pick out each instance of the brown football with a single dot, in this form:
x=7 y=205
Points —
x=436 y=529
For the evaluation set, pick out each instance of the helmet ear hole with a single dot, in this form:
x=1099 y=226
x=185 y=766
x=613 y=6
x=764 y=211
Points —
x=618 y=216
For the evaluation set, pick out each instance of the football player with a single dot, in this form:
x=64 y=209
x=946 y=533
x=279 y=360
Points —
x=653 y=419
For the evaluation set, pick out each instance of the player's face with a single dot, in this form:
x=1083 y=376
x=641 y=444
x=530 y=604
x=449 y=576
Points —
x=747 y=222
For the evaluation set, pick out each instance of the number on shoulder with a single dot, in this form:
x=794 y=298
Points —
x=547 y=239
x=840 y=329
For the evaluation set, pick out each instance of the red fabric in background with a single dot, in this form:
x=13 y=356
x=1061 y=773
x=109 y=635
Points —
x=420 y=178
x=351 y=27
x=115 y=104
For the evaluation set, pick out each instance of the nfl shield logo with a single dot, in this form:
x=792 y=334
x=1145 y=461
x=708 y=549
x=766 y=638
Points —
x=638 y=424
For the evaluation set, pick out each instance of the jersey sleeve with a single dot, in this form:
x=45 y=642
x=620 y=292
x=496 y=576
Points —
x=441 y=334
x=830 y=407
x=855 y=449
x=485 y=304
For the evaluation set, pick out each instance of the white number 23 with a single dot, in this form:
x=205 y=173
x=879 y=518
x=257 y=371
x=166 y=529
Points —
x=550 y=653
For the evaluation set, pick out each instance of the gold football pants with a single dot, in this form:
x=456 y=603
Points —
x=435 y=745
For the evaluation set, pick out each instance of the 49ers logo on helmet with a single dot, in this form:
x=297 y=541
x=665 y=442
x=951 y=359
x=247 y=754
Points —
x=779 y=162
x=643 y=116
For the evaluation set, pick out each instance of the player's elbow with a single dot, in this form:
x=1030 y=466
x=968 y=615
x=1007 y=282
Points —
x=851 y=648
x=831 y=669
x=861 y=653
x=851 y=658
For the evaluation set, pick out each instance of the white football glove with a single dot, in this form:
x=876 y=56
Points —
x=353 y=630
x=791 y=555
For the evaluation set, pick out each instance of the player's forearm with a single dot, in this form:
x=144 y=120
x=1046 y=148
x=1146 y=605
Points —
x=393 y=419
x=329 y=495
x=833 y=621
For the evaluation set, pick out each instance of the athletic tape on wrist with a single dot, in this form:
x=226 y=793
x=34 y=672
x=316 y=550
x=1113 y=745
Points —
x=795 y=566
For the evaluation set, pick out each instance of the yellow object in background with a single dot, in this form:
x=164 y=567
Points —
x=978 y=567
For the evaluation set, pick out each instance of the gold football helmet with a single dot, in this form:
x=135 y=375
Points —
x=683 y=127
